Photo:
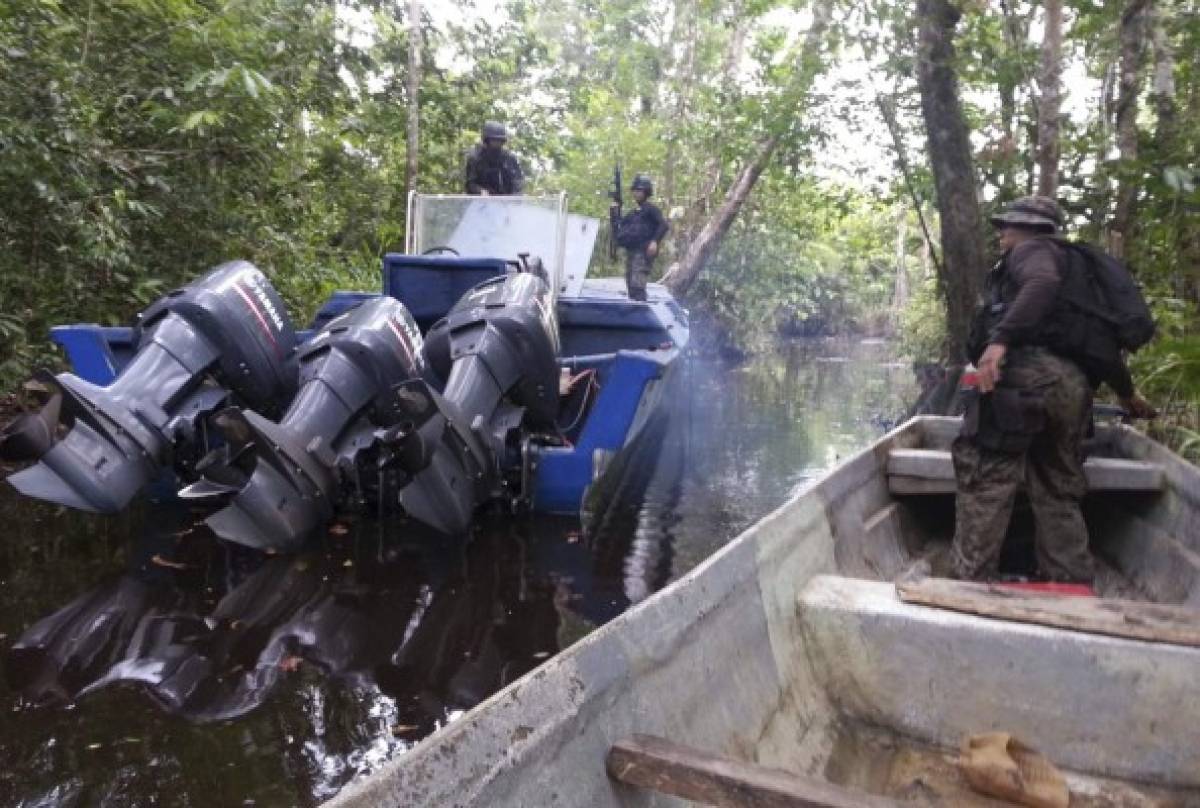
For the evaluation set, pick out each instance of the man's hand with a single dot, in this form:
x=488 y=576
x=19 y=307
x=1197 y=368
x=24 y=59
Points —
x=989 y=366
x=652 y=249
x=1138 y=407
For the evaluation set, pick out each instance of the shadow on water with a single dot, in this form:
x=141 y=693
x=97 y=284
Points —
x=147 y=663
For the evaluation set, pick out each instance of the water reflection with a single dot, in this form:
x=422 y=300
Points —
x=760 y=433
x=185 y=671
x=360 y=647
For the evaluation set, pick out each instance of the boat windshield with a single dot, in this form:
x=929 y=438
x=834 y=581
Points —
x=505 y=227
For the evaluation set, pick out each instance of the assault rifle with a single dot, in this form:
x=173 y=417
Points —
x=614 y=212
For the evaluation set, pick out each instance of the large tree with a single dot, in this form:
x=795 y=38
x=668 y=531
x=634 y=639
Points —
x=964 y=258
x=414 y=95
x=1050 y=104
x=1132 y=38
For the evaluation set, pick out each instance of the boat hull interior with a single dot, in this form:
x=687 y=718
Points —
x=790 y=649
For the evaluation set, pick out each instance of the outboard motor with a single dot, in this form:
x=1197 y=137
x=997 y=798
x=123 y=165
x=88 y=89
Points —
x=226 y=333
x=498 y=351
x=360 y=375
x=500 y=339
x=365 y=409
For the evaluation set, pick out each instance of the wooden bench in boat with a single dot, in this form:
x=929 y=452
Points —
x=1134 y=620
x=656 y=764
x=930 y=471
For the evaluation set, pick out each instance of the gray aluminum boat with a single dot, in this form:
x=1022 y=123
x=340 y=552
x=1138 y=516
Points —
x=791 y=648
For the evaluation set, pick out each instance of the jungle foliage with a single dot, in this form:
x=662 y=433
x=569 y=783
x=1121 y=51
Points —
x=142 y=141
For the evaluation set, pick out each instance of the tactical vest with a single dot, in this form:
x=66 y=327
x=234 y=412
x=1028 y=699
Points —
x=635 y=229
x=1075 y=327
x=495 y=171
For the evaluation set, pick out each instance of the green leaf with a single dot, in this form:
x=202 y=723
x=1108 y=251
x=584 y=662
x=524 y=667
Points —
x=194 y=120
x=199 y=118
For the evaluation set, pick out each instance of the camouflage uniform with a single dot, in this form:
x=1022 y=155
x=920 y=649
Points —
x=634 y=232
x=494 y=170
x=637 y=272
x=1052 y=470
x=1008 y=439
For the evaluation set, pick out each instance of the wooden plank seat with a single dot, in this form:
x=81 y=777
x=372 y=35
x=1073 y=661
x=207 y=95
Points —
x=1134 y=620
x=657 y=764
x=930 y=471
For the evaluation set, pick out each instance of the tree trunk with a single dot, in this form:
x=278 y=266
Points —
x=1162 y=88
x=682 y=274
x=926 y=258
x=900 y=291
x=1051 y=100
x=1008 y=116
x=414 y=90
x=684 y=30
x=1103 y=178
x=1012 y=76
x=964 y=257
x=1133 y=39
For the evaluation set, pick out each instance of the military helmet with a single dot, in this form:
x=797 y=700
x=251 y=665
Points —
x=493 y=130
x=642 y=183
x=1033 y=212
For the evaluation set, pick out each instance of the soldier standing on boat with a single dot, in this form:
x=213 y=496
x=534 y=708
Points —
x=492 y=170
x=1034 y=410
x=640 y=231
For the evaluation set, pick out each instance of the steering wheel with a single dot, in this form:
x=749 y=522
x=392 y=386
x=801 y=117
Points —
x=441 y=248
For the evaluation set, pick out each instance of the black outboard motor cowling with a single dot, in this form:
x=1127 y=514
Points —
x=498 y=351
x=501 y=336
x=226 y=333
x=346 y=374
x=366 y=410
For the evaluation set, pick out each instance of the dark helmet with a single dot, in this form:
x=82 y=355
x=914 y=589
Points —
x=1033 y=212
x=642 y=183
x=493 y=130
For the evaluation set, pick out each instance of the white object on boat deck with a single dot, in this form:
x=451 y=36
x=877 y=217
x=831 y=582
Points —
x=930 y=471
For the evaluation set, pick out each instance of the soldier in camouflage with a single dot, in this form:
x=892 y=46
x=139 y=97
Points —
x=640 y=232
x=1028 y=425
x=491 y=169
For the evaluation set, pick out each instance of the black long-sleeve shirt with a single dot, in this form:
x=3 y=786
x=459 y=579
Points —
x=642 y=225
x=496 y=171
x=1029 y=287
x=1030 y=277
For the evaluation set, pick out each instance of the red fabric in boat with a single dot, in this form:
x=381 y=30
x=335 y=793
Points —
x=1051 y=588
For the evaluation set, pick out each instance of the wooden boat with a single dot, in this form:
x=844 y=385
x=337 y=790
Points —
x=788 y=670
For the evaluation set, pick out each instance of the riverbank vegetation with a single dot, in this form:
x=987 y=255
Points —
x=827 y=167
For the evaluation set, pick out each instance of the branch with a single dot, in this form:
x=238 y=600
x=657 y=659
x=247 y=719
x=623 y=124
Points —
x=682 y=274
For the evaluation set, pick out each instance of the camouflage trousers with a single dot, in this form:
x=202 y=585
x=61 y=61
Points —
x=1051 y=470
x=637 y=272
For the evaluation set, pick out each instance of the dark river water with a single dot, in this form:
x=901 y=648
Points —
x=147 y=664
